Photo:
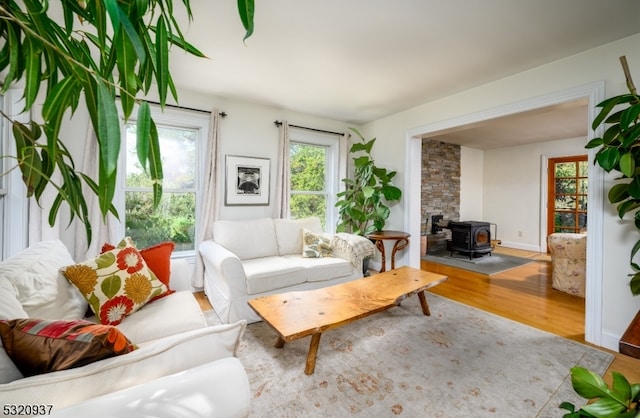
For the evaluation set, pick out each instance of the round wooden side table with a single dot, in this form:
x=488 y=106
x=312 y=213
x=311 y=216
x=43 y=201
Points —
x=401 y=241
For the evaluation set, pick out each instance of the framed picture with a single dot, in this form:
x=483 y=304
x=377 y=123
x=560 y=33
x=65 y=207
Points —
x=247 y=181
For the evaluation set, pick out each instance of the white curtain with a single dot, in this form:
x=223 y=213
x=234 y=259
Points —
x=281 y=201
x=343 y=160
x=102 y=231
x=208 y=206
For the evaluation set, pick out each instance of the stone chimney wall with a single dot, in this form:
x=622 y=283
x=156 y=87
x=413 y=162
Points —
x=440 y=189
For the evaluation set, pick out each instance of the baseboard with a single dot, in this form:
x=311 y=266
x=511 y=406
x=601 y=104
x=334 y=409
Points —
x=611 y=341
x=521 y=246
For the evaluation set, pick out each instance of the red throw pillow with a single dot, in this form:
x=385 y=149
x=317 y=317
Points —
x=158 y=258
x=39 y=346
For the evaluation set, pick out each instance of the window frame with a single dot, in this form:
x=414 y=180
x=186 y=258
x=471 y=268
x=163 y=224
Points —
x=176 y=118
x=14 y=229
x=332 y=167
x=578 y=194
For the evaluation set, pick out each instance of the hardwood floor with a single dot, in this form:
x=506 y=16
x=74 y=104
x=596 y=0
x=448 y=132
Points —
x=524 y=294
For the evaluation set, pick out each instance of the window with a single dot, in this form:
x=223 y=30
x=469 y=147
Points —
x=313 y=160
x=568 y=186
x=182 y=136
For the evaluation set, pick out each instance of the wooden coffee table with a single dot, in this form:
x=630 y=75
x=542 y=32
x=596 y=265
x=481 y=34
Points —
x=295 y=315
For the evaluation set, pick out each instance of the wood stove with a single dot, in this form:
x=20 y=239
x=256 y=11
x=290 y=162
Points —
x=472 y=238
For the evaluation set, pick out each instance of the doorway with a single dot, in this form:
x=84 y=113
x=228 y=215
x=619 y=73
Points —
x=567 y=194
x=593 y=93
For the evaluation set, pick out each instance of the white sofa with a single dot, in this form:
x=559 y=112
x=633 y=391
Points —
x=251 y=258
x=182 y=366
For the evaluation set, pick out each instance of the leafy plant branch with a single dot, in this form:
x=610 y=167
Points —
x=362 y=207
x=107 y=53
x=620 y=152
x=620 y=400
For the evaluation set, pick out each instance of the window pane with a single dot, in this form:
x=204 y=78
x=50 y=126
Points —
x=565 y=202
x=566 y=169
x=583 y=186
x=178 y=151
x=583 y=169
x=174 y=220
x=305 y=205
x=564 y=186
x=565 y=219
x=308 y=164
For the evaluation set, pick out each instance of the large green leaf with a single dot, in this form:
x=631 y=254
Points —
x=155 y=164
x=629 y=116
x=618 y=192
x=109 y=140
x=587 y=383
x=162 y=60
x=628 y=164
x=143 y=133
x=608 y=158
x=634 y=188
x=246 y=9
x=33 y=64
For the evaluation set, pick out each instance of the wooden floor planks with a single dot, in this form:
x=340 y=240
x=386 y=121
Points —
x=524 y=294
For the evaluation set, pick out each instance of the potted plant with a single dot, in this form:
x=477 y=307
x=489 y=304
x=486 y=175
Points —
x=363 y=205
x=620 y=400
x=620 y=152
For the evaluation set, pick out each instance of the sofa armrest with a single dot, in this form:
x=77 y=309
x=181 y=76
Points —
x=161 y=358
x=223 y=268
x=353 y=248
x=215 y=389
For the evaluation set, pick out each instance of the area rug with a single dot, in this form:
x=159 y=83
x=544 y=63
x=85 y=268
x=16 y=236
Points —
x=459 y=362
x=487 y=264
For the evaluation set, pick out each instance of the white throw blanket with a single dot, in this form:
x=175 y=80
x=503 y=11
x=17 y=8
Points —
x=352 y=247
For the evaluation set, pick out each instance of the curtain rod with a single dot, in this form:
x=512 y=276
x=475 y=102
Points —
x=279 y=123
x=222 y=114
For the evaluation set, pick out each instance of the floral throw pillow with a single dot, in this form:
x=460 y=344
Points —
x=315 y=245
x=116 y=283
x=40 y=346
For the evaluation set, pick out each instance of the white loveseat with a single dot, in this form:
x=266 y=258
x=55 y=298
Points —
x=251 y=258
x=181 y=368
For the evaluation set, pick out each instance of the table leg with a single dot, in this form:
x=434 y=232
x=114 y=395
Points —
x=423 y=303
x=399 y=245
x=313 y=352
x=279 y=342
x=380 y=247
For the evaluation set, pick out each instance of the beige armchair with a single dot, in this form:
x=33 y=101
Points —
x=568 y=262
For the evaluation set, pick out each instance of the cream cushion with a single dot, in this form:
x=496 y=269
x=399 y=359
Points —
x=321 y=269
x=8 y=370
x=187 y=397
x=10 y=307
x=289 y=233
x=167 y=356
x=240 y=237
x=41 y=290
x=163 y=317
x=270 y=273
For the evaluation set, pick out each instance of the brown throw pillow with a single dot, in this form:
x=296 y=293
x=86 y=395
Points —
x=39 y=346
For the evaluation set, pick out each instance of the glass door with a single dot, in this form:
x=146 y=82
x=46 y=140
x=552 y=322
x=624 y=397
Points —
x=567 y=194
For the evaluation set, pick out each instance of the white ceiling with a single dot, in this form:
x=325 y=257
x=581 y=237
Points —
x=551 y=123
x=359 y=60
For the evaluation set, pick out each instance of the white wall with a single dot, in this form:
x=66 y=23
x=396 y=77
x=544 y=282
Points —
x=592 y=66
x=513 y=195
x=248 y=130
x=471 y=183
